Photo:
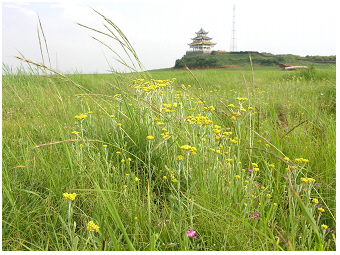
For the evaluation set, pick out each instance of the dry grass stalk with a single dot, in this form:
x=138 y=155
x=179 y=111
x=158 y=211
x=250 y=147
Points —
x=65 y=141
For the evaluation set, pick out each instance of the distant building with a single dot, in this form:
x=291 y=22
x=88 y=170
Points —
x=201 y=44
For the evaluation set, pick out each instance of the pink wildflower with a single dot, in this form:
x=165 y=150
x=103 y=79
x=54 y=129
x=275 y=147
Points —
x=330 y=230
x=255 y=215
x=191 y=233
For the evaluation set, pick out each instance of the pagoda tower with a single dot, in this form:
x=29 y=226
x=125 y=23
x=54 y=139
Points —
x=200 y=45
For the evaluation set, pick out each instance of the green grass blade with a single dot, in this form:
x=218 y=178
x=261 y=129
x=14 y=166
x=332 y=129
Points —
x=318 y=243
x=113 y=211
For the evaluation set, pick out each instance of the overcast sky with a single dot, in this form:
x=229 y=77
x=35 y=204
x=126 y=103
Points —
x=160 y=30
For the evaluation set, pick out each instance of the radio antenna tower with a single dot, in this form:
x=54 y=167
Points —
x=233 y=46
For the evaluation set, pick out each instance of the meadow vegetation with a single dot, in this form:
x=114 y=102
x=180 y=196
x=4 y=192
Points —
x=169 y=160
x=241 y=59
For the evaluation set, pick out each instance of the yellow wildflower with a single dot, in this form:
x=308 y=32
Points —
x=180 y=158
x=310 y=180
x=70 y=196
x=304 y=180
x=92 y=227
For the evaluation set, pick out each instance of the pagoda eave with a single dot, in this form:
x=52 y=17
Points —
x=201 y=43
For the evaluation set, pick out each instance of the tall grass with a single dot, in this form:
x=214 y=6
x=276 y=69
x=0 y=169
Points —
x=146 y=167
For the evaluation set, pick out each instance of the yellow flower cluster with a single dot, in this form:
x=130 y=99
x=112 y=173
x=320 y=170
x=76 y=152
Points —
x=92 y=227
x=241 y=99
x=210 y=108
x=301 y=160
x=151 y=85
x=172 y=174
x=216 y=151
x=169 y=107
x=200 y=120
x=70 y=196
x=200 y=102
x=234 y=141
x=216 y=129
x=165 y=135
x=180 y=158
x=315 y=200
x=80 y=117
x=189 y=149
x=255 y=167
x=307 y=180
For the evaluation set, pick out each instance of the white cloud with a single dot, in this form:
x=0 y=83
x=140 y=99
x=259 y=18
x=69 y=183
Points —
x=19 y=6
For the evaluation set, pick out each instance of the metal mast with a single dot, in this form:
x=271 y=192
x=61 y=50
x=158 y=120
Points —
x=233 y=46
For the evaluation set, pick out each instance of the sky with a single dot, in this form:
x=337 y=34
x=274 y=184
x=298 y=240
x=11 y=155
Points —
x=160 y=30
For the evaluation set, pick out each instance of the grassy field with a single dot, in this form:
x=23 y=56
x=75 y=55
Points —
x=169 y=160
x=247 y=160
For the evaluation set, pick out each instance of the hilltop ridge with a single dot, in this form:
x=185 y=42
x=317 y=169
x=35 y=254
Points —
x=239 y=59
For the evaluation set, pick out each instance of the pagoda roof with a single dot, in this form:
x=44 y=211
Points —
x=198 y=43
x=201 y=37
x=201 y=31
